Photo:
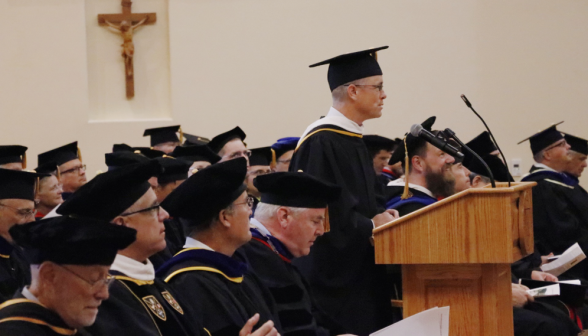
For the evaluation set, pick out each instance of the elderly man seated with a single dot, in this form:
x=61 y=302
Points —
x=70 y=260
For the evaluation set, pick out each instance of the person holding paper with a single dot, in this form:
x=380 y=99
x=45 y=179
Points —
x=556 y=224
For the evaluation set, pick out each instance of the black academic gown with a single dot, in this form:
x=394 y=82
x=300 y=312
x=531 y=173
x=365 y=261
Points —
x=341 y=268
x=144 y=308
x=556 y=225
x=22 y=317
x=14 y=270
x=272 y=262
x=578 y=199
x=221 y=290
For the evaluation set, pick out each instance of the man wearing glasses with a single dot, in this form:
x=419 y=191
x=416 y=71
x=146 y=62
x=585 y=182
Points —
x=341 y=268
x=214 y=207
x=283 y=150
x=70 y=260
x=230 y=145
x=17 y=192
x=556 y=226
x=68 y=167
x=48 y=195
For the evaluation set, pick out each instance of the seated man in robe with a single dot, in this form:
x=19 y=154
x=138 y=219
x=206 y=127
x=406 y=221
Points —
x=214 y=207
x=67 y=167
x=164 y=139
x=283 y=150
x=139 y=303
x=17 y=194
x=200 y=157
x=429 y=175
x=13 y=157
x=380 y=150
x=259 y=165
x=70 y=259
x=557 y=223
x=49 y=195
x=230 y=145
x=291 y=215
x=578 y=154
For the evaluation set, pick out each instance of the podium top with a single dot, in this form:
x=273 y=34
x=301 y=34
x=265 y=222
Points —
x=501 y=188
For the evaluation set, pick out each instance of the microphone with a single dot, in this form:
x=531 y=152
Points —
x=454 y=137
x=469 y=105
x=418 y=131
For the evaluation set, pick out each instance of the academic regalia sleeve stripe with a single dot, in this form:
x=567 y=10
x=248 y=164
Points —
x=138 y=282
x=203 y=268
x=4 y=256
x=208 y=332
x=15 y=301
x=61 y=331
x=330 y=130
x=559 y=183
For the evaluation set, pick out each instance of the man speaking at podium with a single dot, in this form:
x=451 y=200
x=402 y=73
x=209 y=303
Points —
x=341 y=268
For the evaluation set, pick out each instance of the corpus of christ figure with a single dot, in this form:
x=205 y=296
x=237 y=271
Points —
x=125 y=24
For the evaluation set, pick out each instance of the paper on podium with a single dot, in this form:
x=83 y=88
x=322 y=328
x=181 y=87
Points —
x=567 y=260
x=431 y=322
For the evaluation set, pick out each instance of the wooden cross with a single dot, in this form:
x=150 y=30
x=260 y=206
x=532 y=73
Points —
x=125 y=24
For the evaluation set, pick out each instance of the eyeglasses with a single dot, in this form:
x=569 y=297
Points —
x=250 y=201
x=563 y=143
x=24 y=213
x=75 y=169
x=244 y=154
x=107 y=281
x=379 y=87
x=153 y=210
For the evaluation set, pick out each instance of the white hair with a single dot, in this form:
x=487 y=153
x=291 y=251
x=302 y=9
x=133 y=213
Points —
x=340 y=93
x=265 y=211
x=539 y=156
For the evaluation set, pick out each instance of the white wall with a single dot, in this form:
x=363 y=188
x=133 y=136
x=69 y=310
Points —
x=245 y=62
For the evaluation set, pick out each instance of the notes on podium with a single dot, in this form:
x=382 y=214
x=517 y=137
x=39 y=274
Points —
x=564 y=262
x=431 y=322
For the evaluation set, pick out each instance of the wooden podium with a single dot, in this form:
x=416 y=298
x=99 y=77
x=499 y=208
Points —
x=457 y=252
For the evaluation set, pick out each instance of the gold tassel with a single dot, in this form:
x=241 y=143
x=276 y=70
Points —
x=181 y=135
x=37 y=186
x=24 y=160
x=327 y=223
x=79 y=154
x=406 y=193
x=58 y=173
x=274 y=161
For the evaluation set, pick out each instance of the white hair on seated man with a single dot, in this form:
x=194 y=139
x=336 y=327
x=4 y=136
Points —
x=265 y=211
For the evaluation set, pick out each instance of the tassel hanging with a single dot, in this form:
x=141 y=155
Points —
x=406 y=193
x=327 y=222
x=181 y=135
x=79 y=154
x=24 y=160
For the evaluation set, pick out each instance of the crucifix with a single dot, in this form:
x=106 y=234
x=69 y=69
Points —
x=125 y=24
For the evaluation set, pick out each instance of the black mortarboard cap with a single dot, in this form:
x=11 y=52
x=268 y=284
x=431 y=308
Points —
x=201 y=197
x=497 y=167
x=284 y=145
x=299 y=190
x=577 y=144
x=173 y=169
x=60 y=155
x=481 y=144
x=353 y=66
x=15 y=184
x=377 y=142
x=218 y=142
x=195 y=153
x=148 y=152
x=161 y=135
x=545 y=138
x=12 y=154
x=72 y=241
x=194 y=140
x=260 y=156
x=47 y=168
x=123 y=158
x=109 y=194
x=411 y=143
x=121 y=148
